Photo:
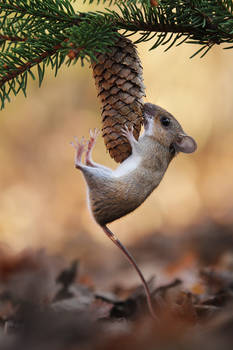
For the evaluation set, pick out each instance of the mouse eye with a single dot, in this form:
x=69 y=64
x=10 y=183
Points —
x=165 y=121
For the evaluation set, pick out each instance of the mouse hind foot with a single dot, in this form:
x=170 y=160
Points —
x=80 y=147
x=90 y=145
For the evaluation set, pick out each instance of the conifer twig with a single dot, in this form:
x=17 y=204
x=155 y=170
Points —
x=26 y=66
x=51 y=33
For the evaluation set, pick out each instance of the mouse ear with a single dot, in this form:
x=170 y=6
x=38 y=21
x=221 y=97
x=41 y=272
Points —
x=185 y=144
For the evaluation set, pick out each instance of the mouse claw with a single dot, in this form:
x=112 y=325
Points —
x=74 y=144
x=93 y=137
x=94 y=134
x=127 y=132
x=97 y=131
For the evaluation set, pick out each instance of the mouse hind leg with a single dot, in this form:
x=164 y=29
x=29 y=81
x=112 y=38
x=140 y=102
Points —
x=90 y=145
x=80 y=147
x=89 y=167
x=88 y=157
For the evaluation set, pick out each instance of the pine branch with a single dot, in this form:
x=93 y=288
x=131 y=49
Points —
x=27 y=66
x=202 y=25
x=46 y=33
x=29 y=42
x=11 y=38
x=52 y=10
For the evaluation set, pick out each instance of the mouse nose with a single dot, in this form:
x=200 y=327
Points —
x=146 y=118
x=146 y=122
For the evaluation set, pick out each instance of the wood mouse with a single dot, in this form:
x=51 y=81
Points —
x=115 y=193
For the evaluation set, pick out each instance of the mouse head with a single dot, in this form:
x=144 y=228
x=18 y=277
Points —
x=161 y=125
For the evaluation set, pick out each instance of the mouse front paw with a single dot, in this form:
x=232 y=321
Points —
x=128 y=133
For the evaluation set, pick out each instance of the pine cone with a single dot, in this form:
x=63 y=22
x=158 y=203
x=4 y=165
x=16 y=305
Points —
x=118 y=77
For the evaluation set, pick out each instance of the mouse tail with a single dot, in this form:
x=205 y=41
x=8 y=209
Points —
x=131 y=259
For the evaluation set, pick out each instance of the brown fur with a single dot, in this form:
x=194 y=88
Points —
x=112 y=196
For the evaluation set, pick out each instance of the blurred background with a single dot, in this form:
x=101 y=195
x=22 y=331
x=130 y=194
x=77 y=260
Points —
x=43 y=197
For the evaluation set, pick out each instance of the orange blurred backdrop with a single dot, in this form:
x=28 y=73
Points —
x=43 y=197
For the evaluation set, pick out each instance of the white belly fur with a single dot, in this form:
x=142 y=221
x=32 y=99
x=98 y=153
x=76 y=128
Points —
x=130 y=164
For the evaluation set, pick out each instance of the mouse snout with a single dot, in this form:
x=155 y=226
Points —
x=146 y=119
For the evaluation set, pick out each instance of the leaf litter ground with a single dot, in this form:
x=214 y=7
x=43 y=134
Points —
x=46 y=305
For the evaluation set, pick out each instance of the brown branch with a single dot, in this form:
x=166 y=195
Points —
x=11 y=38
x=157 y=27
x=168 y=28
x=21 y=69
